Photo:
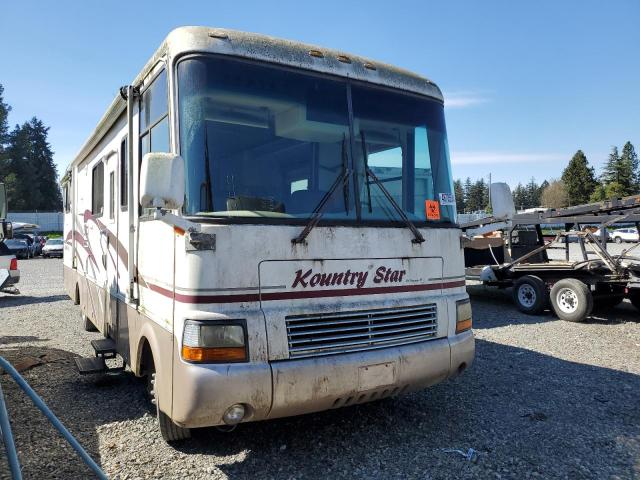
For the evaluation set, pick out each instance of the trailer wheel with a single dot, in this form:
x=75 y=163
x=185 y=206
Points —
x=571 y=300
x=530 y=294
x=170 y=431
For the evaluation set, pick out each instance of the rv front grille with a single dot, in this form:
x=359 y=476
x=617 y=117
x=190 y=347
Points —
x=353 y=331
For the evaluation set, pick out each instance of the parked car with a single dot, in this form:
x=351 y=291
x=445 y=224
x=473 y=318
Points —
x=53 y=248
x=625 y=235
x=18 y=247
x=30 y=241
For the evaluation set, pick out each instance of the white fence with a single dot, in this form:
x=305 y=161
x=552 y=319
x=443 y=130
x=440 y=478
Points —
x=48 y=221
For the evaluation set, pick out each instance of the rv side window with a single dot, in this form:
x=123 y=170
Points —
x=97 y=189
x=67 y=203
x=154 y=122
x=124 y=165
x=112 y=200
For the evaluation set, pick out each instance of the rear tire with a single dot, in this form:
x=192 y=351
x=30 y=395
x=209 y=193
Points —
x=571 y=300
x=530 y=294
x=618 y=240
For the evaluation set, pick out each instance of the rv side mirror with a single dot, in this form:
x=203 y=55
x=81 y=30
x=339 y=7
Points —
x=162 y=181
x=502 y=201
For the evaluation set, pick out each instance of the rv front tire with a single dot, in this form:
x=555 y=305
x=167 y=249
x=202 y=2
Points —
x=170 y=431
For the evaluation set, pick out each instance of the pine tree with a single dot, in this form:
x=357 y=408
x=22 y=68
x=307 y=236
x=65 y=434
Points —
x=47 y=174
x=467 y=192
x=519 y=197
x=478 y=196
x=4 y=121
x=610 y=170
x=31 y=175
x=619 y=170
x=458 y=191
x=20 y=174
x=533 y=193
x=629 y=158
x=4 y=134
x=579 y=179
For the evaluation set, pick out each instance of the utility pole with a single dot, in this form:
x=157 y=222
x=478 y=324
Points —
x=490 y=206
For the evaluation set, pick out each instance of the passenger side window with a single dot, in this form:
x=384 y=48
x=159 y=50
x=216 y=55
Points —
x=97 y=189
x=67 y=200
x=154 y=121
x=112 y=200
x=124 y=166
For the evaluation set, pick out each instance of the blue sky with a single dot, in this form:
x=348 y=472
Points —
x=526 y=83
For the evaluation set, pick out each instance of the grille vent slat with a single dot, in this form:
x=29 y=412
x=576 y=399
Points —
x=333 y=333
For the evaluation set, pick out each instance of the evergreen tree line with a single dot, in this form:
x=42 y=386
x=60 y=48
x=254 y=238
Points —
x=474 y=196
x=579 y=184
x=26 y=164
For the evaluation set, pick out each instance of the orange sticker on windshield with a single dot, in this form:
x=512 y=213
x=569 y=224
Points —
x=432 y=208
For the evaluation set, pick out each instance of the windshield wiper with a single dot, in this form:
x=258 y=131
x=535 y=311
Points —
x=319 y=210
x=417 y=236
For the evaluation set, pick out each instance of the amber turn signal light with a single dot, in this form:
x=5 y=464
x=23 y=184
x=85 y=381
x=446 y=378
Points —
x=214 y=354
x=463 y=326
x=463 y=315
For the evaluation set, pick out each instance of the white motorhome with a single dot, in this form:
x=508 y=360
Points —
x=264 y=228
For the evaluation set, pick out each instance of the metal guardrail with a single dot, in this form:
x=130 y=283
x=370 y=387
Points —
x=6 y=435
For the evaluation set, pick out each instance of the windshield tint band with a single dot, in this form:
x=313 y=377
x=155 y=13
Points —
x=261 y=141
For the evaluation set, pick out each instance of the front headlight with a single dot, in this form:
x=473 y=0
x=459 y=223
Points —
x=214 y=342
x=463 y=315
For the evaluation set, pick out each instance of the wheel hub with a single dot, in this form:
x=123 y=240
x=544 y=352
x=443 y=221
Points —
x=527 y=295
x=567 y=300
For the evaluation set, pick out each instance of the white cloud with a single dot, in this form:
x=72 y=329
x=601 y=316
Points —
x=464 y=99
x=489 y=158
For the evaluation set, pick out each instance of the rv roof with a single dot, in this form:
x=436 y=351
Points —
x=185 y=40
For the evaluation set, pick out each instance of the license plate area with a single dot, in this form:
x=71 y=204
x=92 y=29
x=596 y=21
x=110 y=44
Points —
x=375 y=376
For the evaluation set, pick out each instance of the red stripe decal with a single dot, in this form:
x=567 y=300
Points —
x=347 y=292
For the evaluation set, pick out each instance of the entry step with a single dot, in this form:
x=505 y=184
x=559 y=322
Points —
x=104 y=347
x=91 y=365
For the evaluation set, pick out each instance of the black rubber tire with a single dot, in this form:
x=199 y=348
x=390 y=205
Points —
x=87 y=324
x=170 y=431
x=578 y=293
x=618 y=240
x=537 y=294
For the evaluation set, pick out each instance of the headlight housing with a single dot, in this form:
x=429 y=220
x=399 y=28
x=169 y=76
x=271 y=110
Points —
x=214 y=341
x=463 y=315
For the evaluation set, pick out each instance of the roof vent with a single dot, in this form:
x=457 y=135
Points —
x=316 y=53
x=344 y=59
x=370 y=66
x=220 y=35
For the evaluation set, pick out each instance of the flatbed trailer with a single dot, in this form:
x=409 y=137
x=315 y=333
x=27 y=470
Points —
x=570 y=288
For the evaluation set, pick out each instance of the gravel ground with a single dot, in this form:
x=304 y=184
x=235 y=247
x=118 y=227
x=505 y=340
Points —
x=545 y=399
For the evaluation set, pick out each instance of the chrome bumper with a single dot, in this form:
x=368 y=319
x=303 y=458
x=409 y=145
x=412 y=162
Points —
x=201 y=394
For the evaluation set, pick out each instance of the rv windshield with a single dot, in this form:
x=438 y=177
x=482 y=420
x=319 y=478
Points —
x=263 y=141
